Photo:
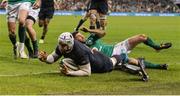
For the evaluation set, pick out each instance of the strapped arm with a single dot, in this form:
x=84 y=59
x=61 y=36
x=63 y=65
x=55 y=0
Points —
x=53 y=57
x=84 y=70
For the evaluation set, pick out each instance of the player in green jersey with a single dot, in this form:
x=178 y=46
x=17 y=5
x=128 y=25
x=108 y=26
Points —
x=17 y=10
x=122 y=47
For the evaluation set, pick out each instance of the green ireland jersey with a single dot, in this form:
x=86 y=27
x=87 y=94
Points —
x=94 y=42
x=18 y=1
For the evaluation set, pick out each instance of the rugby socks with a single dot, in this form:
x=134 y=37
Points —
x=91 y=27
x=35 y=45
x=80 y=23
x=152 y=65
x=35 y=48
x=21 y=33
x=28 y=46
x=42 y=37
x=150 y=43
x=12 y=37
x=45 y=29
x=98 y=24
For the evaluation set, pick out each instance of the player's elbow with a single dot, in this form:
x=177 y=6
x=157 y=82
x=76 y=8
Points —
x=86 y=69
x=102 y=33
x=88 y=74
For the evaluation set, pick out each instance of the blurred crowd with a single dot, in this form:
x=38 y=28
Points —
x=161 y=6
x=71 y=5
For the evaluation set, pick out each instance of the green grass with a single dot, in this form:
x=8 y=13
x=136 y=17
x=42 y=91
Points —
x=161 y=29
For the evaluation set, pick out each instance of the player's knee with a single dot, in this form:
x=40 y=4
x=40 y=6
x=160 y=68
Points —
x=28 y=26
x=103 y=23
x=22 y=21
x=12 y=30
x=11 y=34
x=93 y=17
x=103 y=20
x=142 y=37
x=40 y=23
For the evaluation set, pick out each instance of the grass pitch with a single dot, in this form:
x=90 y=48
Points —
x=34 y=77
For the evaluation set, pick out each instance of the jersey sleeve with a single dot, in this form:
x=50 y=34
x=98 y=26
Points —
x=91 y=40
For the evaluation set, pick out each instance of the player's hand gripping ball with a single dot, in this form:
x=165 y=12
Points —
x=42 y=55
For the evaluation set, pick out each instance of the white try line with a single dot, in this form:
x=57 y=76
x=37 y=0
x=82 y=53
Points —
x=37 y=73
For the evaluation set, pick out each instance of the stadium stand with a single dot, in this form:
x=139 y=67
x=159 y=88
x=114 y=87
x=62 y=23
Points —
x=160 y=6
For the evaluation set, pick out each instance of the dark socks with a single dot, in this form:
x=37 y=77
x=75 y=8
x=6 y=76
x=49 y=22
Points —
x=80 y=23
x=35 y=45
x=21 y=33
x=42 y=37
x=152 y=65
x=91 y=27
x=28 y=45
x=98 y=24
x=12 y=37
x=150 y=43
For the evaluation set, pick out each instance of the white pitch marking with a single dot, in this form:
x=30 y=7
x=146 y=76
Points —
x=38 y=73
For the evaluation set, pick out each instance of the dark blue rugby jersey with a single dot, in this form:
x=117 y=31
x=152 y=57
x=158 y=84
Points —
x=82 y=55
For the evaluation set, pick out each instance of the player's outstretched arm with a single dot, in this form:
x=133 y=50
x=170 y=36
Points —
x=42 y=55
x=51 y=58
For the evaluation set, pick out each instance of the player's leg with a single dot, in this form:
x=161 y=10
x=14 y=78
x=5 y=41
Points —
x=12 y=37
x=118 y=61
x=93 y=18
x=11 y=22
x=45 y=29
x=123 y=47
x=103 y=21
x=23 y=12
x=85 y=17
x=135 y=40
x=155 y=65
x=41 y=22
x=140 y=63
x=32 y=34
x=48 y=15
x=103 y=10
x=28 y=46
x=30 y=21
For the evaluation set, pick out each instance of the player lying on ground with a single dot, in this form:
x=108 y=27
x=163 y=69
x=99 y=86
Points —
x=86 y=61
x=122 y=47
